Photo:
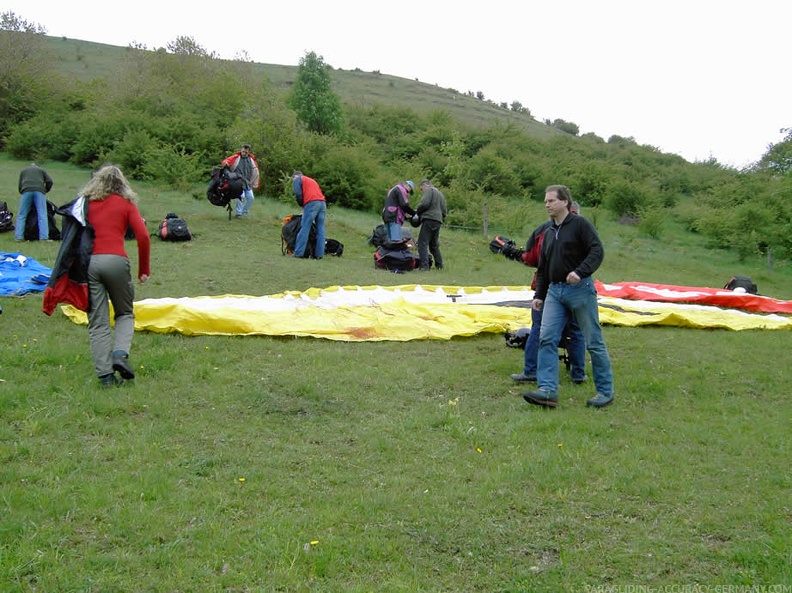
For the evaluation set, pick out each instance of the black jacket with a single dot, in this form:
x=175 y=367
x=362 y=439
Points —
x=572 y=246
x=68 y=282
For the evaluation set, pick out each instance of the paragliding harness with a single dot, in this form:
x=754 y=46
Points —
x=173 y=228
x=291 y=228
x=225 y=185
x=6 y=218
x=395 y=256
x=32 y=227
x=519 y=338
x=743 y=282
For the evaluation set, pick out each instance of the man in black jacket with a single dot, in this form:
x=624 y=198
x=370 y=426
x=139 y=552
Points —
x=571 y=252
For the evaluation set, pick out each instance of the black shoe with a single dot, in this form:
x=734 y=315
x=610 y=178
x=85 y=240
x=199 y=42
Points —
x=523 y=378
x=121 y=364
x=110 y=380
x=541 y=397
x=600 y=401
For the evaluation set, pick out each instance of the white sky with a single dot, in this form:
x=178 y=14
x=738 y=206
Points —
x=700 y=78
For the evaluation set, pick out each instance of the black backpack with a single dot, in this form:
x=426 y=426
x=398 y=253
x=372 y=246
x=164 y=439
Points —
x=289 y=230
x=395 y=257
x=742 y=282
x=31 y=224
x=173 y=228
x=6 y=218
x=224 y=185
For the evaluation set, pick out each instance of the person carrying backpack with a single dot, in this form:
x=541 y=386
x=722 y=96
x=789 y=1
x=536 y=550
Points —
x=244 y=163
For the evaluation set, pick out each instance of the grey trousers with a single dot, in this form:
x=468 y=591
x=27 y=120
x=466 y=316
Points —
x=109 y=281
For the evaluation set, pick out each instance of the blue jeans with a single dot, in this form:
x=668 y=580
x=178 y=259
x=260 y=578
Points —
x=37 y=200
x=577 y=348
x=563 y=302
x=244 y=202
x=394 y=231
x=312 y=212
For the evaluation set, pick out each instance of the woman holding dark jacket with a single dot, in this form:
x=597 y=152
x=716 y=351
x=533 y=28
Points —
x=112 y=208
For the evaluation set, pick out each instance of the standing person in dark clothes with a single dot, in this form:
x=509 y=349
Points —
x=34 y=184
x=571 y=252
x=431 y=212
x=397 y=204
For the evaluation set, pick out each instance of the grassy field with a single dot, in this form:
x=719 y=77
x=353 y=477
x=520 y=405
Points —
x=286 y=464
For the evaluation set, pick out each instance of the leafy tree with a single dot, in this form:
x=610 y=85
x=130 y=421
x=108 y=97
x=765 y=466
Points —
x=312 y=97
x=566 y=126
x=10 y=21
x=25 y=70
x=187 y=46
x=778 y=158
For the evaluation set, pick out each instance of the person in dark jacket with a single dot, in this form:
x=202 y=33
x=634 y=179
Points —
x=576 y=343
x=431 y=211
x=34 y=184
x=571 y=252
x=397 y=204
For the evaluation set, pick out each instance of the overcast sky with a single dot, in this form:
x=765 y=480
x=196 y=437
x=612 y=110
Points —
x=700 y=78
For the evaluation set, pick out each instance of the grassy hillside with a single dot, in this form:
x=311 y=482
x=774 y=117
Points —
x=280 y=464
x=86 y=61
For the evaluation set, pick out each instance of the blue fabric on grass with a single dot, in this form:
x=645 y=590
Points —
x=20 y=275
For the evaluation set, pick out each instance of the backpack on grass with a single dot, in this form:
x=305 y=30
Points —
x=290 y=229
x=31 y=224
x=173 y=228
x=6 y=218
x=743 y=282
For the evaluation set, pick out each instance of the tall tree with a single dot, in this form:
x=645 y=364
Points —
x=25 y=69
x=312 y=97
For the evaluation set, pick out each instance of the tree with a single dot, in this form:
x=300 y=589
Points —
x=187 y=46
x=10 y=21
x=312 y=99
x=25 y=70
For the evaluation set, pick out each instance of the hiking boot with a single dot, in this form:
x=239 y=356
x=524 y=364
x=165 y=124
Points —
x=121 y=364
x=541 y=397
x=600 y=401
x=110 y=380
x=523 y=378
x=580 y=381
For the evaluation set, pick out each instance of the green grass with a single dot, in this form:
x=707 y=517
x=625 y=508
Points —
x=286 y=464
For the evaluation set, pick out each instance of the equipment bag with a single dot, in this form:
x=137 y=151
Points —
x=224 y=185
x=395 y=260
x=498 y=243
x=173 y=228
x=742 y=282
x=291 y=227
x=6 y=218
x=31 y=224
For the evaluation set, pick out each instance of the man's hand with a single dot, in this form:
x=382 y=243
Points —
x=537 y=304
x=572 y=278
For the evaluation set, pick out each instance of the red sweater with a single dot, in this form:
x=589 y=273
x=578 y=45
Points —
x=110 y=218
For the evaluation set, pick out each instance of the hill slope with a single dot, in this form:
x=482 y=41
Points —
x=86 y=61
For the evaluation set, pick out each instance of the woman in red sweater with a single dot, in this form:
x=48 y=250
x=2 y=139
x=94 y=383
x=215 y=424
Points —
x=111 y=210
